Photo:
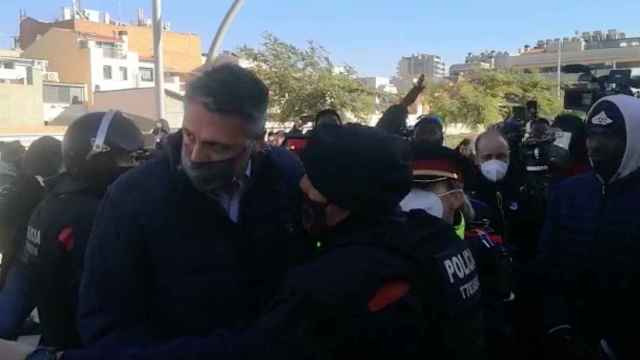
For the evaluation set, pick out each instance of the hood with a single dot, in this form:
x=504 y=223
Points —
x=630 y=108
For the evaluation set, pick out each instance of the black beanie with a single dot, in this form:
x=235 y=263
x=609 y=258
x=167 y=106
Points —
x=359 y=168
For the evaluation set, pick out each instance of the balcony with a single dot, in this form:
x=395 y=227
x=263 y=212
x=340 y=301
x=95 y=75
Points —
x=114 y=53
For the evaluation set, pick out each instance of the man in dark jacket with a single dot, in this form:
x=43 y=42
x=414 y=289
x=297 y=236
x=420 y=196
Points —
x=591 y=241
x=383 y=284
x=199 y=238
x=493 y=187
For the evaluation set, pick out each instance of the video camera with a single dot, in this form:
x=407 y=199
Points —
x=591 y=88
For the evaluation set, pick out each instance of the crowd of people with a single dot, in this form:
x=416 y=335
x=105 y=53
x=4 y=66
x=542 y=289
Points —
x=349 y=241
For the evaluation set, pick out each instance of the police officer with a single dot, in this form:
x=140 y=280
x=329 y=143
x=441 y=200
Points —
x=591 y=241
x=438 y=185
x=41 y=161
x=377 y=287
x=97 y=148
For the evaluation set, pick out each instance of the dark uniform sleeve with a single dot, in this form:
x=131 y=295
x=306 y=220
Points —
x=112 y=291
x=17 y=301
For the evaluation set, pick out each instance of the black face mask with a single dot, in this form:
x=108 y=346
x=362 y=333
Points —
x=314 y=217
x=211 y=176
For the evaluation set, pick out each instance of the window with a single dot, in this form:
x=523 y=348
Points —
x=146 y=74
x=123 y=73
x=62 y=94
x=10 y=65
x=106 y=72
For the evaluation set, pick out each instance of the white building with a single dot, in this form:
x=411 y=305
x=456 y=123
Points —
x=114 y=67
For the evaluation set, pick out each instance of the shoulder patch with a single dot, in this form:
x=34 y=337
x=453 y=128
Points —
x=66 y=238
x=388 y=294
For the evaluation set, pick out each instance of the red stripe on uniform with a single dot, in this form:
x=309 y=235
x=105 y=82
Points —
x=388 y=294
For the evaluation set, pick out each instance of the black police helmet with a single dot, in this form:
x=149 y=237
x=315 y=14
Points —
x=97 y=144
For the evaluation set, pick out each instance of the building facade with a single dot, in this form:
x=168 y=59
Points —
x=413 y=66
x=602 y=51
x=182 y=51
x=102 y=63
x=21 y=95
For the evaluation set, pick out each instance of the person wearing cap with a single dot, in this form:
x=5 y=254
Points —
x=591 y=241
x=200 y=237
x=438 y=188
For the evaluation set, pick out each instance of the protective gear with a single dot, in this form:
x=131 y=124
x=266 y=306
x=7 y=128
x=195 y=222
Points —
x=211 y=176
x=494 y=170
x=96 y=144
x=424 y=200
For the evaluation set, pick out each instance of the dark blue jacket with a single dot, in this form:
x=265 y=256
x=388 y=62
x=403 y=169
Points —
x=380 y=288
x=590 y=251
x=164 y=260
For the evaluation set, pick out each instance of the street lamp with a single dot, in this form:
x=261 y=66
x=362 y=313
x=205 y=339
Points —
x=216 y=44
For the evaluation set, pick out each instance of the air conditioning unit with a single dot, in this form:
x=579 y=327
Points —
x=51 y=76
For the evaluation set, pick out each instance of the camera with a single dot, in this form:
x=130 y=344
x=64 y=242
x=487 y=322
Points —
x=542 y=156
x=590 y=88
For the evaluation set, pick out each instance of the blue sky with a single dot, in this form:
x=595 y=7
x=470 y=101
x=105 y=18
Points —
x=369 y=34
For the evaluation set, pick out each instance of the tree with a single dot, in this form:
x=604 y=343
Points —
x=305 y=81
x=488 y=95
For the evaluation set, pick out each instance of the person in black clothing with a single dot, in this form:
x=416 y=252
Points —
x=383 y=284
x=590 y=244
x=97 y=148
x=42 y=160
x=492 y=186
x=200 y=237
x=394 y=119
x=438 y=185
x=579 y=160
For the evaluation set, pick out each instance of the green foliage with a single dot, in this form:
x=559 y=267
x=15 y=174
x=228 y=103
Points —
x=488 y=95
x=305 y=81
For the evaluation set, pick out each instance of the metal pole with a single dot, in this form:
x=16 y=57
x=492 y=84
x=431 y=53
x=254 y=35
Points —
x=158 y=57
x=216 y=44
x=559 y=65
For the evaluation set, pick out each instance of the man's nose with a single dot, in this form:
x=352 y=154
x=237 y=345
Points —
x=197 y=154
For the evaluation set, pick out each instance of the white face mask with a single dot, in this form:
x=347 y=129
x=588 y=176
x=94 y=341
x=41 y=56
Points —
x=423 y=200
x=494 y=170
